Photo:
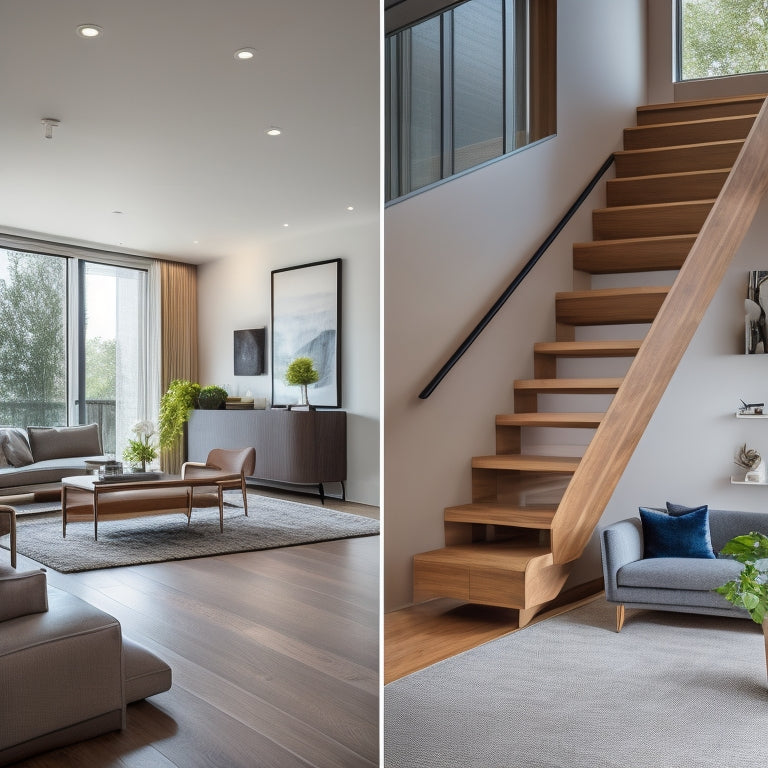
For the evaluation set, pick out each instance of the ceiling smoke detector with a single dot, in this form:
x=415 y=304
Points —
x=49 y=124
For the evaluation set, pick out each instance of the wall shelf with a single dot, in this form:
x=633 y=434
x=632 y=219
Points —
x=751 y=415
x=744 y=482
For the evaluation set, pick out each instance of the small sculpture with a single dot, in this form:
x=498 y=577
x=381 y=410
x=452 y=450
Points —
x=752 y=461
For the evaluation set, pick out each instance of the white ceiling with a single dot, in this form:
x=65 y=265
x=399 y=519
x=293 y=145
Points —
x=160 y=122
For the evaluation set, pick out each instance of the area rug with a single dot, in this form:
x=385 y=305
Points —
x=670 y=690
x=270 y=523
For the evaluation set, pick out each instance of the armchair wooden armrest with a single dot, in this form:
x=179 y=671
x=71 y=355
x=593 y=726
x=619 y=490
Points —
x=8 y=526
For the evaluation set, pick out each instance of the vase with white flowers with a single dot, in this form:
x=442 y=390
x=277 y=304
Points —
x=142 y=449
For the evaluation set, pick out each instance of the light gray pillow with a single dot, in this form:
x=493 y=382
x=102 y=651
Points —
x=16 y=448
x=3 y=460
x=64 y=442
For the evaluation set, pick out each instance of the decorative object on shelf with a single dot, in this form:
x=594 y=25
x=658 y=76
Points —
x=306 y=322
x=752 y=462
x=249 y=352
x=755 y=305
x=175 y=406
x=301 y=372
x=140 y=451
x=750 y=590
x=750 y=409
x=211 y=397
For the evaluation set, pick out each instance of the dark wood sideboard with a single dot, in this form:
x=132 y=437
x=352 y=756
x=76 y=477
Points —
x=294 y=447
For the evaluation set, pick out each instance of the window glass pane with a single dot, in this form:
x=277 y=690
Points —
x=478 y=83
x=723 y=37
x=33 y=359
x=114 y=351
x=425 y=104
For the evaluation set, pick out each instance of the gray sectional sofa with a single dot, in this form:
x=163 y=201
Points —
x=683 y=584
x=66 y=671
x=35 y=459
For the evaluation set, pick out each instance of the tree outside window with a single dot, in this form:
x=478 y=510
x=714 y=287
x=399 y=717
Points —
x=722 y=37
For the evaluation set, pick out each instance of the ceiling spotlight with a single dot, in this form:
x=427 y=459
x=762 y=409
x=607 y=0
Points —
x=49 y=123
x=350 y=207
x=88 y=30
x=245 y=53
x=273 y=131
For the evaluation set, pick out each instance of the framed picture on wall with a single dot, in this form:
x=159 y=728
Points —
x=755 y=306
x=306 y=322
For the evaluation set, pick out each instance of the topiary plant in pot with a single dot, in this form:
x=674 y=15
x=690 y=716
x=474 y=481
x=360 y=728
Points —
x=175 y=406
x=211 y=398
x=750 y=589
x=301 y=372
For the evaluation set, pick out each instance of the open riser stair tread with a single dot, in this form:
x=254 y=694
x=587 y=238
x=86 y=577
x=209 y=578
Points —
x=601 y=348
x=580 y=420
x=693 y=157
x=493 y=513
x=602 y=386
x=526 y=462
x=609 y=306
x=641 y=254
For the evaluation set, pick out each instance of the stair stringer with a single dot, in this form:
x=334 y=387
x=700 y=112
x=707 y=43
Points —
x=609 y=452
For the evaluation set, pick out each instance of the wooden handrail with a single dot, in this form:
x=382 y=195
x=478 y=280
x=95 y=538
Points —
x=607 y=456
x=512 y=287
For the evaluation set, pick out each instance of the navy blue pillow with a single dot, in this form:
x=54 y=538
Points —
x=681 y=509
x=685 y=535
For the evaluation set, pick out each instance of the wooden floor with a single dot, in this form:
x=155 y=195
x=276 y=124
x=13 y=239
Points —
x=424 y=634
x=275 y=657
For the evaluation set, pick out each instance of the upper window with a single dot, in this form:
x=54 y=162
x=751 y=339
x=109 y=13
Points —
x=717 y=38
x=467 y=86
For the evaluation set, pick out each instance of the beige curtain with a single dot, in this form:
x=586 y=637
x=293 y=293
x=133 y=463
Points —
x=178 y=295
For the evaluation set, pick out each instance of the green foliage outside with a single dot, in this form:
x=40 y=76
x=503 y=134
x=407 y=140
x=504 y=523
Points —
x=750 y=590
x=723 y=37
x=100 y=369
x=33 y=372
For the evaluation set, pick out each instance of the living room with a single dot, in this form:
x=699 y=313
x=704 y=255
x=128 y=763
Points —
x=240 y=139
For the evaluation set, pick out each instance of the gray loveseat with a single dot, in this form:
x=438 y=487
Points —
x=673 y=583
x=66 y=671
x=35 y=459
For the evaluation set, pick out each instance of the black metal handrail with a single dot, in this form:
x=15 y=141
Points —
x=491 y=313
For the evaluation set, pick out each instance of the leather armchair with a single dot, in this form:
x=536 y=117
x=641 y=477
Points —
x=222 y=462
x=8 y=526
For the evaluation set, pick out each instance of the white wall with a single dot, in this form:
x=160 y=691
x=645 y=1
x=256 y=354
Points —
x=234 y=294
x=451 y=251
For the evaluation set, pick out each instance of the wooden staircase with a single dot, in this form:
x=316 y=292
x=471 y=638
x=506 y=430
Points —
x=679 y=196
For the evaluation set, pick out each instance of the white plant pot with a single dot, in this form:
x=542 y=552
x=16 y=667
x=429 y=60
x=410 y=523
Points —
x=756 y=475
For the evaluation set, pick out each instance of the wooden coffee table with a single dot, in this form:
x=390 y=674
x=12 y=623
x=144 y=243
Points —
x=85 y=498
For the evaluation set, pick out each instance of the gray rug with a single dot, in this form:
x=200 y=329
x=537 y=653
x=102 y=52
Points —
x=669 y=691
x=270 y=523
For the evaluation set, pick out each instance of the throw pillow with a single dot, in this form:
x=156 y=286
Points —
x=685 y=535
x=16 y=448
x=3 y=459
x=64 y=442
x=681 y=509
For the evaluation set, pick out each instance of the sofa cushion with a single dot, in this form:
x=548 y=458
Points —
x=145 y=673
x=64 y=442
x=22 y=593
x=678 y=573
x=684 y=535
x=15 y=447
x=42 y=472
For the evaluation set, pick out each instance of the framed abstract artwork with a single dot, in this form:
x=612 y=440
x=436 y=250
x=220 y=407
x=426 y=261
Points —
x=306 y=322
x=249 y=352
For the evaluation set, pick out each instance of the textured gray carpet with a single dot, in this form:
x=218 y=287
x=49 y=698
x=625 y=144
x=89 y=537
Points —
x=270 y=523
x=669 y=691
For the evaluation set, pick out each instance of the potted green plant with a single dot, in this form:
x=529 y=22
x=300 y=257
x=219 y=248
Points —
x=175 y=406
x=211 y=398
x=750 y=589
x=301 y=372
x=140 y=451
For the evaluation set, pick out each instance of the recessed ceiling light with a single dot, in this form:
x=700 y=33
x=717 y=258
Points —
x=350 y=207
x=273 y=131
x=285 y=225
x=88 y=30
x=245 y=53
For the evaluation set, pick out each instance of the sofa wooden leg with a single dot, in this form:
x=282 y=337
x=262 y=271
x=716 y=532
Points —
x=619 y=617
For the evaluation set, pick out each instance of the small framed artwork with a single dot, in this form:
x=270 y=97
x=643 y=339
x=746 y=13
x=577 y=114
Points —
x=755 y=306
x=250 y=350
x=306 y=322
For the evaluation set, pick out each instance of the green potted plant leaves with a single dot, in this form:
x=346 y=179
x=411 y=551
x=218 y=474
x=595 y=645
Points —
x=211 y=398
x=301 y=372
x=175 y=406
x=750 y=589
